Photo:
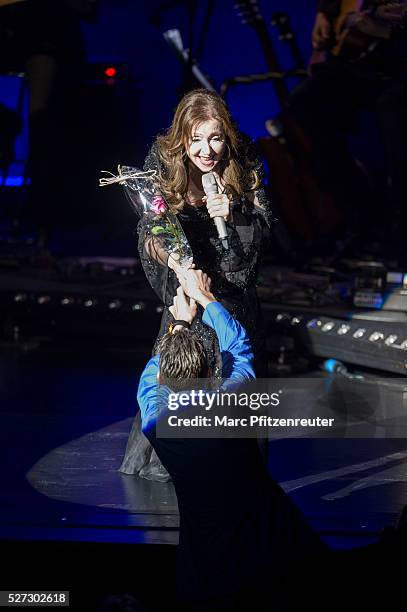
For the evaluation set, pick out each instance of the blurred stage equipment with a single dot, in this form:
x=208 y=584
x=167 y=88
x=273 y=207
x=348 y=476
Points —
x=306 y=209
x=189 y=56
x=106 y=72
x=10 y=127
x=321 y=310
x=375 y=340
x=174 y=39
x=102 y=298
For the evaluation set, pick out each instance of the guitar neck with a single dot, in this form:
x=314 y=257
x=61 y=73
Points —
x=281 y=21
x=249 y=12
x=272 y=62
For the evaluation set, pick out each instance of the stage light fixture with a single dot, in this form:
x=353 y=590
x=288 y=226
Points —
x=343 y=329
x=89 y=303
x=20 y=297
x=44 y=299
x=314 y=323
x=137 y=306
x=67 y=301
x=110 y=72
x=114 y=304
x=391 y=339
x=327 y=327
x=359 y=333
x=375 y=336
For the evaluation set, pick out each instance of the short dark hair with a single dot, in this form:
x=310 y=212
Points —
x=182 y=357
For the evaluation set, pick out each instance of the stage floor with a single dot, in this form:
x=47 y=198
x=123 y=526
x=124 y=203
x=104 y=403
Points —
x=65 y=417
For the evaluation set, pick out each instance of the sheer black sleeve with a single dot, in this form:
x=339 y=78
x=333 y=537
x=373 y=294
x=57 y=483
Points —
x=154 y=258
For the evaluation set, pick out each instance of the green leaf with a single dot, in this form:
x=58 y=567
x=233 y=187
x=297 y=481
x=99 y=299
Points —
x=158 y=230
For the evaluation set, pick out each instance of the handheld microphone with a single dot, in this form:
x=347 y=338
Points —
x=210 y=187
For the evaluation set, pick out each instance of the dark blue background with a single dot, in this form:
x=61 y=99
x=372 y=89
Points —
x=124 y=32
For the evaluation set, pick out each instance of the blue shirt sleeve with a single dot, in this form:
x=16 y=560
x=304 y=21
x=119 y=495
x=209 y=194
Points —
x=234 y=343
x=147 y=391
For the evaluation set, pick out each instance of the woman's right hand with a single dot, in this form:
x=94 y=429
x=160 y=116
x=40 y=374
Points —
x=173 y=264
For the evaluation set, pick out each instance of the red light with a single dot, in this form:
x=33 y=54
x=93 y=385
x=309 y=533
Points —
x=110 y=72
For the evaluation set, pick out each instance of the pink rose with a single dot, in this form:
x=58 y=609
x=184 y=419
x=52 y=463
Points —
x=159 y=206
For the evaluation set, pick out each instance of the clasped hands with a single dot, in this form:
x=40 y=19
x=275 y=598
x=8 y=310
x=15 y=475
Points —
x=194 y=288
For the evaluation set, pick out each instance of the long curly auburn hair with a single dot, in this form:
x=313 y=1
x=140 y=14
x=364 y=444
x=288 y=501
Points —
x=196 y=107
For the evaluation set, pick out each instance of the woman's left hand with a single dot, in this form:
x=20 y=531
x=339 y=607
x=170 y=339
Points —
x=218 y=205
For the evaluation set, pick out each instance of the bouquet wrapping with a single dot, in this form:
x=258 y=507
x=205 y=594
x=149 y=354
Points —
x=147 y=201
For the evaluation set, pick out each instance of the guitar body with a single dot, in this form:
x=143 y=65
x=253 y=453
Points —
x=351 y=44
x=306 y=210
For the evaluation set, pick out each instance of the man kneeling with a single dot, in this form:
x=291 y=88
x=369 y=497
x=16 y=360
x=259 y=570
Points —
x=239 y=531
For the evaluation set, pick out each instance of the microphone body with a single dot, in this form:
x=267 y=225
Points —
x=210 y=187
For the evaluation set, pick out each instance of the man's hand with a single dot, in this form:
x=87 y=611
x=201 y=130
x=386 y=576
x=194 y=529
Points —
x=196 y=284
x=183 y=308
x=322 y=32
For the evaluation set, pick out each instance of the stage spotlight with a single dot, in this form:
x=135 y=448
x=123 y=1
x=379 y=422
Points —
x=89 y=303
x=44 y=299
x=67 y=301
x=114 y=304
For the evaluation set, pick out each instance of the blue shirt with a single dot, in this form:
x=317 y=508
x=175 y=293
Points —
x=237 y=359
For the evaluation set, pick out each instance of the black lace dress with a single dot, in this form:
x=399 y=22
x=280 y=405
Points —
x=233 y=273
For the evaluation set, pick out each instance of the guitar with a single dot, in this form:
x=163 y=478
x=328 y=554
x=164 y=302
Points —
x=350 y=42
x=308 y=212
